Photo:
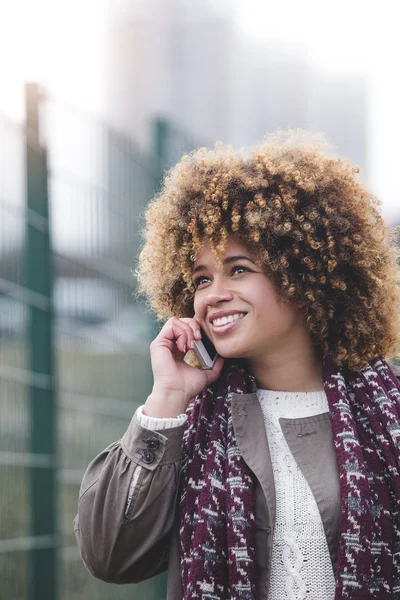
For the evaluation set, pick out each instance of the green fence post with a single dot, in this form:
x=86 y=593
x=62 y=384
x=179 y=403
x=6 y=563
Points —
x=39 y=280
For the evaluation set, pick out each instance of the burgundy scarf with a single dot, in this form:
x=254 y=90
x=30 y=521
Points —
x=217 y=528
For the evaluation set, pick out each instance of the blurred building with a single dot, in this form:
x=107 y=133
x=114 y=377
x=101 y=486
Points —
x=189 y=62
x=171 y=58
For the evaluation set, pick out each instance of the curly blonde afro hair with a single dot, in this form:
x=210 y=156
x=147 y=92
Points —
x=313 y=226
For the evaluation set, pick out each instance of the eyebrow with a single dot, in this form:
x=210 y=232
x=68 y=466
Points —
x=226 y=261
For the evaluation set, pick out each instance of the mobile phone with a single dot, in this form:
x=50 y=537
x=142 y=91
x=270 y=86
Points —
x=205 y=352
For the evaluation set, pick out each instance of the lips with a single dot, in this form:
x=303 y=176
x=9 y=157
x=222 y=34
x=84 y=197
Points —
x=224 y=320
x=224 y=313
x=226 y=323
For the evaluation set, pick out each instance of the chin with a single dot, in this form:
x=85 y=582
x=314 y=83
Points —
x=229 y=353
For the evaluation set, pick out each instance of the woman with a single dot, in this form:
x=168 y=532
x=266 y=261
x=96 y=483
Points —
x=276 y=473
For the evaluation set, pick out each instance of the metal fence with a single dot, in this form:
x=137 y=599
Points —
x=74 y=359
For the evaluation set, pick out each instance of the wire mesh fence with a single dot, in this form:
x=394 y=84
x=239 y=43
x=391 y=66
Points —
x=74 y=358
x=99 y=185
x=15 y=460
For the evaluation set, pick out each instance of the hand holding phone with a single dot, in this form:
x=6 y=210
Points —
x=176 y=381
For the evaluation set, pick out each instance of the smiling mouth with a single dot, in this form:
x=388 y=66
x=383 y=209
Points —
x=225 y=324
x=229 y=319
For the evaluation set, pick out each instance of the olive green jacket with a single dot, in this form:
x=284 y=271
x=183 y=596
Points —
x=126 y=525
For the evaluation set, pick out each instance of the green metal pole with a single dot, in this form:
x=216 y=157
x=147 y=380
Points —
x=39 y=279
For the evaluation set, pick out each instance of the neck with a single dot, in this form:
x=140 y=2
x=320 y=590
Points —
x=295 y=369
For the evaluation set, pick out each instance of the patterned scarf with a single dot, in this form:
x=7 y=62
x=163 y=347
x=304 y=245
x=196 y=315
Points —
x=216 y=510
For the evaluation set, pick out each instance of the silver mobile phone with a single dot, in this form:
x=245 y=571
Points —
x=205 y=352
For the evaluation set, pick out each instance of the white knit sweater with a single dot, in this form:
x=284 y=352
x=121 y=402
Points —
x=301 y=567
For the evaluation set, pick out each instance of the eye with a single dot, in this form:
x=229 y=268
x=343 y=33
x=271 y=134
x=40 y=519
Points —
x=240 y=269
x=200 y=280
x=236 y=270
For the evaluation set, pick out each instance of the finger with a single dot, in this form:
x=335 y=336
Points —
x=180 y=339
x=181 y=333
x=171 y=328
x=195 y=332
x=192 y=332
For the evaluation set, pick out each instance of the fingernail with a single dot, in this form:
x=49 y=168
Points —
x=197 y=334
x=191 y=345
x=184 y=348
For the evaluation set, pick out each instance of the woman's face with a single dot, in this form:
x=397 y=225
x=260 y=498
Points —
x=237 y=306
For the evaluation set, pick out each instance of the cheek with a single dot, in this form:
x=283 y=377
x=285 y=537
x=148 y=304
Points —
x=198 y=307
x=270 y=313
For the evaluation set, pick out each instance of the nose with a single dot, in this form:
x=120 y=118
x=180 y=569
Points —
x=217 y=292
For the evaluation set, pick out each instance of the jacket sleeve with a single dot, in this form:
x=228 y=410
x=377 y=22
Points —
x=127 y=505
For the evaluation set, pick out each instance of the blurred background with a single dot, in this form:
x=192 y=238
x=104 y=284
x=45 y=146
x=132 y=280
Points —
x=97 y=99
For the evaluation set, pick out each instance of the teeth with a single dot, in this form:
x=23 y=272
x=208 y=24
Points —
x=229 y=319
